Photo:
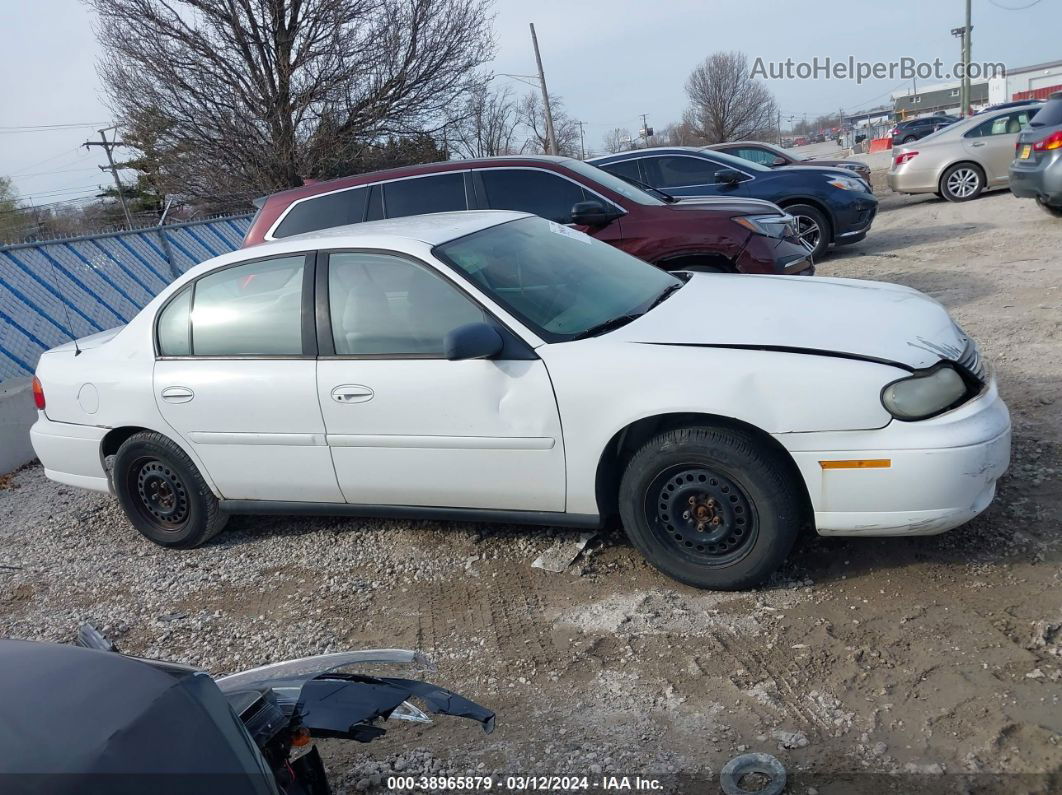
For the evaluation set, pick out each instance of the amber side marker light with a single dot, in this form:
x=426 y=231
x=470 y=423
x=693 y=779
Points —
x=38 y=393
x=858 y=463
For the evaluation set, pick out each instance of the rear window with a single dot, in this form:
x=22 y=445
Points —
x=323 y=212
x=1050 y=115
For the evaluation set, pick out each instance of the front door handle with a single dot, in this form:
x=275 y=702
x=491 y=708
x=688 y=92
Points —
x=352 y=393
x=978 y=143
x=177 y=394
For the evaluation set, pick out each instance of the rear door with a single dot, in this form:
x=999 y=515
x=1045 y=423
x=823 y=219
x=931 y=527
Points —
x=405 y=425
x=235 y=377
x=991 y=143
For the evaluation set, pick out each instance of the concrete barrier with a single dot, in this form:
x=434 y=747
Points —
x=17 y=414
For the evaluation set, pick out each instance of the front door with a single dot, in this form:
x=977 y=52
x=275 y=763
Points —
x=690 y=175
x=405 y=425
x=235 y=380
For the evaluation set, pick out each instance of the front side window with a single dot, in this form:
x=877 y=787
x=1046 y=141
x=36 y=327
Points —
x=384 y=305
x=756 y=155
x=558 y=281
x=249 y=310
x=324 y=212
x=540 y=192
x=439 y=193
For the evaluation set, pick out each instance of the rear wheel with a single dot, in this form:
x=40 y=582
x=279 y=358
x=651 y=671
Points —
x=813 y=228
x=962 y=182
x=1053 y=209
x=163 y=494
x=711 y=507
x=908 y=139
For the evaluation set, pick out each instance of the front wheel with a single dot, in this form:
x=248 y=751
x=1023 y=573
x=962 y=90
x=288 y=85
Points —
x=813 y=228
x=163 y=494
x=711 y=507
x=962 y=182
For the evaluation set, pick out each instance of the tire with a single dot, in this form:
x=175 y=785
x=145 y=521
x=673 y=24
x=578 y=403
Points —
x=908 y=139
x=748 y=502
x=813 y=227
x=163 y=494
x=1053 y=209
x=962 y=182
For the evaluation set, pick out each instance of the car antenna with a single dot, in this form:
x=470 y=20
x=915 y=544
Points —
x=66 y=308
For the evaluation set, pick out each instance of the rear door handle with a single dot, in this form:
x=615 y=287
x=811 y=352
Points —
x=177 y=394
x=978 y=143
x=352 y=393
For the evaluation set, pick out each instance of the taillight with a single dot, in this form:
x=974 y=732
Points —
x=38 y=393
x=906 y=157
x=894 y=131
x=1053 y=141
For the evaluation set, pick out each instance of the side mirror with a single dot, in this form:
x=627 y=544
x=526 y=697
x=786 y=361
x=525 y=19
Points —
x=779 y=161
x=473 y=341
x=592 y=213
x=728 y=176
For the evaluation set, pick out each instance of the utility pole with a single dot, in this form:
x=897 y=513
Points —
x=647 y=131
x=963 y=34
x=779 y=128
x=551 y=135
x=108 y=147
x=582 y=142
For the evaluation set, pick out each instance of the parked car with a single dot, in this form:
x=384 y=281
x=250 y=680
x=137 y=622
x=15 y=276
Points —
x=962 y=160
x=800 y=141
x=734 y=233
x=126 y=726
x=1036 y=172
x=1018 y=103
x=831 y=205
x=497 y=366
x=915 y=129
x=775 y=156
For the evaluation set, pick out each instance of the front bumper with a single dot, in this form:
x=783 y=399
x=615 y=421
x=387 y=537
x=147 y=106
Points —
x=775 y=256
x=853 y=216
x=70 y=453
x=1038 y=180
x=941 y=472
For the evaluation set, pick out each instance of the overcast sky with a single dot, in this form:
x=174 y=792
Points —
x=610 y=60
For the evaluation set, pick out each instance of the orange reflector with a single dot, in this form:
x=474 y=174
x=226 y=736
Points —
x=858 y=463
x=300 y=737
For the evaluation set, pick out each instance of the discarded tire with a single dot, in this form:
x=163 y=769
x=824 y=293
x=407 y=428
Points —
x=746 y=764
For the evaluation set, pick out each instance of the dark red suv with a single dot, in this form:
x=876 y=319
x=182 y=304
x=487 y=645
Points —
x=716 y=234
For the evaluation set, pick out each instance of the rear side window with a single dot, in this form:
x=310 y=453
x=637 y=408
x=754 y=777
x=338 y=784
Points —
x=436 y=194
x=249 y=310
x=174 y=326
x=322 y=212
x=625 y=168
x=540 y=192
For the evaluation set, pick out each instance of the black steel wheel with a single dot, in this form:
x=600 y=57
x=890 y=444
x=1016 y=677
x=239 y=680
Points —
x=706 y=516
x=712 y=507
x=163 y=494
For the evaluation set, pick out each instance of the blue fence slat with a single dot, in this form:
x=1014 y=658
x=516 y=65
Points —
x=52 y=289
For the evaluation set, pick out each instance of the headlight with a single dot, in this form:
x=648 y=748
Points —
x=769 y=225
x=846 y=183
x=925 y=393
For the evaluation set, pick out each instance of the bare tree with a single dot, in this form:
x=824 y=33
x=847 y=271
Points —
x=488 y=125
x=533 y=117
x=726 y=103
x=255 y=95
x=617 y=140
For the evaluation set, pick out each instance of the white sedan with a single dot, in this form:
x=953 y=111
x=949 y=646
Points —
x=495 y=366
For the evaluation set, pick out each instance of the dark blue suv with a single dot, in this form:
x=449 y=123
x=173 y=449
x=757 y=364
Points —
x=831 y=205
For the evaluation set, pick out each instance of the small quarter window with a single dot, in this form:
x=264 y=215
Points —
x=174 y=330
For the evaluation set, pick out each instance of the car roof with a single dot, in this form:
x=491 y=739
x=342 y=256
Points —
x=314 y=188
x=641 y=152
x=739 y=143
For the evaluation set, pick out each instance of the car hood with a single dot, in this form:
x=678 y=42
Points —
x=826 y=163
x=827 y=171
x=726 y=204
x=839 y=317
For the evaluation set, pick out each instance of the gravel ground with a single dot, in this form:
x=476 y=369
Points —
x=935 y=658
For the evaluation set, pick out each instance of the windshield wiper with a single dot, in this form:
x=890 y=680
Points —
x=638 y=184
x=667 y=293
x=609 y=325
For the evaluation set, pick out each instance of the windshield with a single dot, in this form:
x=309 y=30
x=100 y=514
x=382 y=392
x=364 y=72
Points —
x=558 y=281
x=612 y=182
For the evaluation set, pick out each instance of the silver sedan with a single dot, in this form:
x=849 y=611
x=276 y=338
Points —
x=963 y=159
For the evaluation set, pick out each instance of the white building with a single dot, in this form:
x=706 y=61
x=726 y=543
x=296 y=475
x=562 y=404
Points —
x=1026 y=82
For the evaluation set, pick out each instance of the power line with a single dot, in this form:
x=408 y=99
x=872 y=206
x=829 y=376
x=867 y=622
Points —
x=42 y=127
x=1014 y=8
